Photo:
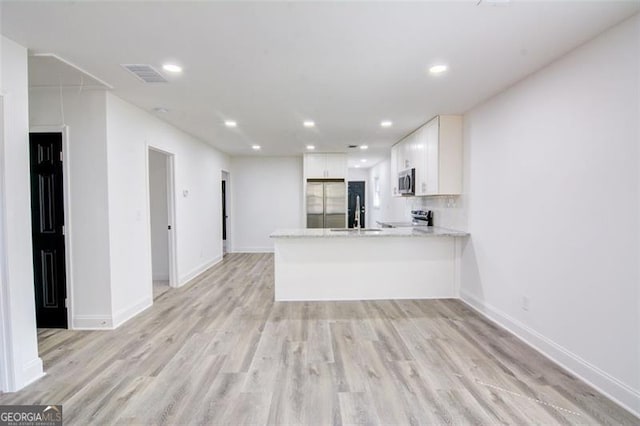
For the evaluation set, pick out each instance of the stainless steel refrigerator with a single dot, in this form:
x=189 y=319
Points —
x=326 y=203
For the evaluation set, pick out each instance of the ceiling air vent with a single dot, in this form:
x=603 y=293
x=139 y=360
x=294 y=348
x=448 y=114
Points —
x=146 y=73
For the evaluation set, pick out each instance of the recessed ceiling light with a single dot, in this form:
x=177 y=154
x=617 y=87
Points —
x=308 y=123
x=311 y=147
x=172 y=68
x=364 y=146
x=230 y=123
x=386 y=123
x=357 y=166
x=438 y=69
x=255 y=147
x=364 y=160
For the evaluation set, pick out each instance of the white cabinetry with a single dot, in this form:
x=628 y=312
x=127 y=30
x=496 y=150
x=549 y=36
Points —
x=323 y=166
x=435 y=152
x=393 y=171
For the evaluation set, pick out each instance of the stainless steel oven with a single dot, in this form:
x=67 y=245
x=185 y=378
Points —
x=406 y=182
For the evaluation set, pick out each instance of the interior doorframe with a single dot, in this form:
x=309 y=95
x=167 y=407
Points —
x=171 y=214
x=66 y=189
x=7 y=377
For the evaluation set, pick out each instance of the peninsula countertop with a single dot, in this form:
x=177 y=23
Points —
x=418 y=232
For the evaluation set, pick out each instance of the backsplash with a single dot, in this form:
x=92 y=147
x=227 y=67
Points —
x=449 y=211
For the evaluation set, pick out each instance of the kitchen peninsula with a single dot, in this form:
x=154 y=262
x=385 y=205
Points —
x=368 y=264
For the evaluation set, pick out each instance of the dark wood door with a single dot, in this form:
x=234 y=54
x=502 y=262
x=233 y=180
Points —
x=224 y=210
x=355 y=189
x=47 y=223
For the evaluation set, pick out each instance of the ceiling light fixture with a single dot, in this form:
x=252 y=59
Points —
x=311 y=147
x=308 y=123
x=357 y=166
x=172 y=68
x=364 y=146
x=230 y=123
x=386 y=123
x=364 y=160
x=255 y=147
x=438 y=69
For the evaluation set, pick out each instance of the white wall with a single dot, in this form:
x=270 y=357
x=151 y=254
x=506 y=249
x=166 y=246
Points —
x=266 y=195
x=198 y=213
x=158 y=215
x=85 y=115
x=20 y=359
x=553 y=204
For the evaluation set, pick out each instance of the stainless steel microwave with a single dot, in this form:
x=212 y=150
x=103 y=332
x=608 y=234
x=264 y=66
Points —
x=407 y=182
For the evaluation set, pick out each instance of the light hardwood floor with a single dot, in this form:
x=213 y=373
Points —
x=220 y=351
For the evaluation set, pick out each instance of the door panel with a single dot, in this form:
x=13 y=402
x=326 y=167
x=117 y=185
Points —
x=315 y=198
x=335 y=197
x=356 y=188
x=224 y=210
x=47 y=219
x=334 y=221
x=315 y=221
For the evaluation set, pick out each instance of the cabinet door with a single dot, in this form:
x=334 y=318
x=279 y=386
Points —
x=432 y=161
x=420 y=160
x=405 y=154
x=315 y=166
x=336 y=166
x=393 y=171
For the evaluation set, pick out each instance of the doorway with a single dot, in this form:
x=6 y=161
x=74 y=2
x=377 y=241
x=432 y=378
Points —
x=225 y=209
x=356 y=189
x=161 y=196
x=47 y=229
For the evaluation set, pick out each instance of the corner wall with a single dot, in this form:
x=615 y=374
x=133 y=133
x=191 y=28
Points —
x=20 y=362
x=553 y=211
x=266 y=195
x=197 y=169
x=85 y=115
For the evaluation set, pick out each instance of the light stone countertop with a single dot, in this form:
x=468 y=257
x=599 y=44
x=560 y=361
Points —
x=383 y=232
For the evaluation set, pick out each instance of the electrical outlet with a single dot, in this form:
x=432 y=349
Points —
x=525 y=303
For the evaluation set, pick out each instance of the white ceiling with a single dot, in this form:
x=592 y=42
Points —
x=346 y=66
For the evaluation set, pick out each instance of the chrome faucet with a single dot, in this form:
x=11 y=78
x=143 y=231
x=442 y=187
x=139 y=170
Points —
x=356 y=218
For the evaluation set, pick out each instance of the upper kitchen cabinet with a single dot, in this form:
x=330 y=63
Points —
x=325 y=166
x=435 y=152
x=443 y=155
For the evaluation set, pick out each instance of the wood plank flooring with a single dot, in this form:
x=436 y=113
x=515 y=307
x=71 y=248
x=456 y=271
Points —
x=220 y=351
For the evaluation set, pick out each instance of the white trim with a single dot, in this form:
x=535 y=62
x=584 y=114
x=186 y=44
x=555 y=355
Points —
x=7 y=371
x=253 y=250
x=172 y=243
x=612 y=388
x=32 y=371
x=66 y=193
x=92 y=322
x=124 y=315
x=198 y=270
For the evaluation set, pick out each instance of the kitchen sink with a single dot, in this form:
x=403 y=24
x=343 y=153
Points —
x=355 y=230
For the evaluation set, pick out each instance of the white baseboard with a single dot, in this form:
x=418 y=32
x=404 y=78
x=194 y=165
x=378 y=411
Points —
x=614 y=389
x=197 y=271
x=32 y=371
x=252 y=250
x=124 y=315
x=92 y=322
